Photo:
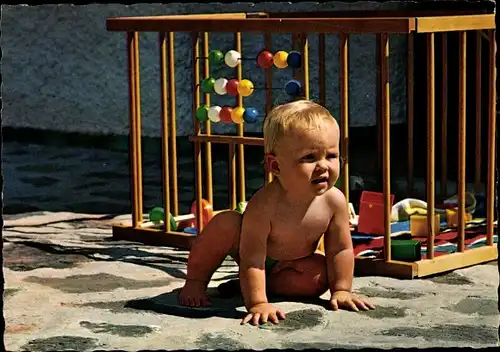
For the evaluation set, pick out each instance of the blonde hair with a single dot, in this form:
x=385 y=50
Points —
x=297 y=115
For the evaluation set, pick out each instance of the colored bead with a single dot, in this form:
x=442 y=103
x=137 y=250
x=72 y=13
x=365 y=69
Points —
x=232 y=87
x=207 y=85
x=237 y=115
x=265 y=59
x=202 y=113
x=232 y=58
x=245 y=88
x=293 y=87
x=225 y=114
x=294 y=59
x=213 y=113
x=279 y=59
x=216 y=57
x=250 y=115
x=220 y=86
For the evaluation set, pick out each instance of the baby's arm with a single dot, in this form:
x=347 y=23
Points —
x=253 y=249
x=338 y=245
x=340 y=257
x=255 y=230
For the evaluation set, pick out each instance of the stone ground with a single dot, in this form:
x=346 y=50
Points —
x=69 y=286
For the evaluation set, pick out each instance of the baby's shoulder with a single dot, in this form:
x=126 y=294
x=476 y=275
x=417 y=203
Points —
x=263 y=196
x=335 y=199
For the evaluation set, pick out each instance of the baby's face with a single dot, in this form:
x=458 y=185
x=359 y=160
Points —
x=309 y=160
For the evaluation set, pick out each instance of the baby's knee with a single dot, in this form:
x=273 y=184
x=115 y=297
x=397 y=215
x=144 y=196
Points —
x=227 y=221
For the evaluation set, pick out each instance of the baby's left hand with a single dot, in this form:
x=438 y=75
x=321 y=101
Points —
x=346 y=300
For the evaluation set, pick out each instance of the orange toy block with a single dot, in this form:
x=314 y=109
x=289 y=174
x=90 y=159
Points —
x=452 y=217
x=419 y=225
x=371 y=212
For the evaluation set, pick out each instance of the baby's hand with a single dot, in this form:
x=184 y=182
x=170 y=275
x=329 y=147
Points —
x=345 y=299
x=263 y=312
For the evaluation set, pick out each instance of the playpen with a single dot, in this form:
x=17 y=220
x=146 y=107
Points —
x=302 y=26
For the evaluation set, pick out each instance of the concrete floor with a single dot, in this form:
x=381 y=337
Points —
x=68 y=286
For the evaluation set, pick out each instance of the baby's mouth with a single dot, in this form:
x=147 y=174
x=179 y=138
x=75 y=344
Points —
x=320 y=180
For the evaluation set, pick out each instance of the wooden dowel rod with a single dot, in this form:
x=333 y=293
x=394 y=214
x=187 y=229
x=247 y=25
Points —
x=477 y=169
x=322 y=69
x=197 y=146
x=378 y=109
x=344 y=110
x=490 y=192
x=444 y=115
x=164 y=129
x=173 y=125
x=431 y=109
x=386 y=138
x=208 y=129
x=462 y=66
x=269 y=97
x=138 y=129
x=131 y=38
x=232 y=176
x=410 y=83
x=239 y=127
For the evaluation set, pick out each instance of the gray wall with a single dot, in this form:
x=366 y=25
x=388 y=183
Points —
x=63 y=71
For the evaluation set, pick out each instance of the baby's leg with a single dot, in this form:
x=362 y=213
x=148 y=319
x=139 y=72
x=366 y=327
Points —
x=305 y=277
x=218 y=238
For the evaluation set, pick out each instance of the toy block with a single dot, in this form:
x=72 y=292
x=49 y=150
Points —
x=419 y=225
x=371 y=212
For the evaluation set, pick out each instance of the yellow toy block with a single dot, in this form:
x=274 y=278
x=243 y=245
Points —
x=452 y=217
x=419 y=226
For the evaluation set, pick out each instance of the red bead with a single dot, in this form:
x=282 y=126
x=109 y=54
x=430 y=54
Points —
x=232 y=87
x=265 y=59
x=225 y=114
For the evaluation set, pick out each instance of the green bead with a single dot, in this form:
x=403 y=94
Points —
x=173 y=223
x=157 y=214
x=241 y=207
x=216 y=57
x=207 y=85
x=202 y=113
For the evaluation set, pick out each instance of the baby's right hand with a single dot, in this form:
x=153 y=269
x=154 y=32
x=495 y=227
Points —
x=263 y=312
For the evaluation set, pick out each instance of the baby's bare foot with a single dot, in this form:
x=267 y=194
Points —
x=193 y=294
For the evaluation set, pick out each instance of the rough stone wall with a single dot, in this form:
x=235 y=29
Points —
x=62 y=70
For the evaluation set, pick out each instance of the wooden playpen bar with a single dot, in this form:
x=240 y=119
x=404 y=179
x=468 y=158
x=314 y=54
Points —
x=381 y=24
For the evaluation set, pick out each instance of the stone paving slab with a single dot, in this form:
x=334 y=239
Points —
x=69 y=286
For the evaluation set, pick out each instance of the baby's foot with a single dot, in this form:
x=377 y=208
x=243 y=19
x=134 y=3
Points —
x=193 y=294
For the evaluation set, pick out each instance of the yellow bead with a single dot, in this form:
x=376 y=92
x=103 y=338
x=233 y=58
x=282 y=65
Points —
x=245 y=88
x=280 y=58
x=237 y=114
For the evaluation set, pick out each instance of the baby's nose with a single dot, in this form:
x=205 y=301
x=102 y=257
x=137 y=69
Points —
x=322 y=164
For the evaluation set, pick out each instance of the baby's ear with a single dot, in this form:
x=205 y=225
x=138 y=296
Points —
x=271 y=163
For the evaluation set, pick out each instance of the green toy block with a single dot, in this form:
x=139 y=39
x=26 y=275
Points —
x=406 y=250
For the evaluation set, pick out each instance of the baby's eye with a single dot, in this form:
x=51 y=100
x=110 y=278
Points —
x=308 y=157
x=333 y=156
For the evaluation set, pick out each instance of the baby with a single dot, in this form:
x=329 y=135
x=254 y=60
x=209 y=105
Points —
x=275 y=241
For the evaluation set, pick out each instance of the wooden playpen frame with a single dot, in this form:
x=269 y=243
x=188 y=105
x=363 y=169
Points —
x=382 y=24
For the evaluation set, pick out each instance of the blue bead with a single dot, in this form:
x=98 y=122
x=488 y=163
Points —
x=250 y=115
x=294 y=59
x=292 y=87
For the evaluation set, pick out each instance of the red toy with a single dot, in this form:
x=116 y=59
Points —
x=371 y=213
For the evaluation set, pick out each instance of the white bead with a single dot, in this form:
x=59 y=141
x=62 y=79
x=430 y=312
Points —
x=213 y=113
x=220 y=86
x=232 y=58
